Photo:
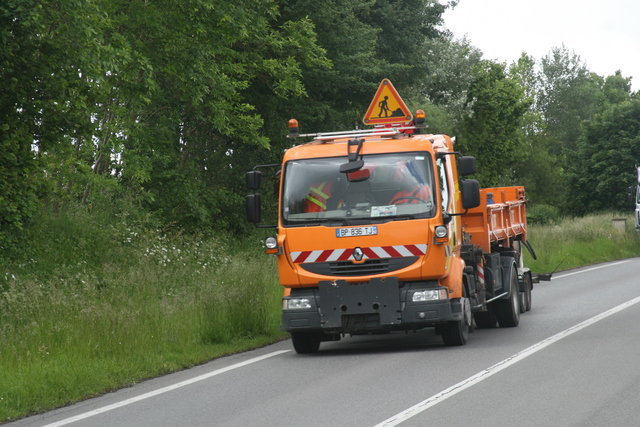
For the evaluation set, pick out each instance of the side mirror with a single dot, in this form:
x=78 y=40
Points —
x=467 y=165
x=631 y=194
x=470 y=190
x=253 y=208
x=254 y=178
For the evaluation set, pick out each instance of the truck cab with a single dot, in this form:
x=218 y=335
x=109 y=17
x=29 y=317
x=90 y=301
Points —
x=371 y=242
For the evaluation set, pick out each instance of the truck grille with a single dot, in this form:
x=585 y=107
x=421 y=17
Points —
x=368 y=268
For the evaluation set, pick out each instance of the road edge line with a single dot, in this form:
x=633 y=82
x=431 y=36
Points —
x=162 y=390
x=486 y=373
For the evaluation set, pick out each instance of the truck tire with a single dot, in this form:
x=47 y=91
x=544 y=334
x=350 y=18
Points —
x=527 y=291
x=508 y=310
x=456 y=333
x=306 y=342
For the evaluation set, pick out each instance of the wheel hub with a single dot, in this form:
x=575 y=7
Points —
x=466 y=310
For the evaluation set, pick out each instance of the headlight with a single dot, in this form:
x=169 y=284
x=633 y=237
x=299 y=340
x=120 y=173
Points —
x=430 y=295
x=271 y=242
x=296 y=303
x=271 y=245
x=441 y=235
x=441 y=231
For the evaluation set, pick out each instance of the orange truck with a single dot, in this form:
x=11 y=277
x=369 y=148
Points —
x=379 y=230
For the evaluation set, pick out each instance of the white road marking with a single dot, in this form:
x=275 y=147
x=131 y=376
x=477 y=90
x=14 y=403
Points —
x=475 y=379
x=163 y=390
x=591 y=269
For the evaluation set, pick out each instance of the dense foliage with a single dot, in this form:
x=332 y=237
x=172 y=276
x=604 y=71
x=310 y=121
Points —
x=609 y=143
x=166 y=104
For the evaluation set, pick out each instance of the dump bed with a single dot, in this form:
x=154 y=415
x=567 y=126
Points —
x=500 y=218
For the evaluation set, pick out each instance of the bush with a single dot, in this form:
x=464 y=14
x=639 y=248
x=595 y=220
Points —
x=542 y=214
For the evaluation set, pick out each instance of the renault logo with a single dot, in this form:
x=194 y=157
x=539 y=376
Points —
x=358 y=254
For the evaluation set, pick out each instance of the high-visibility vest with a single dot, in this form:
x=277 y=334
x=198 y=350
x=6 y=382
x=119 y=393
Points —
x=317 y=198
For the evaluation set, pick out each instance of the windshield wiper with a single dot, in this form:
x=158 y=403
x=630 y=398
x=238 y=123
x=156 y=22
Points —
x=335 y=222
x=403 y=217
x=326 y=222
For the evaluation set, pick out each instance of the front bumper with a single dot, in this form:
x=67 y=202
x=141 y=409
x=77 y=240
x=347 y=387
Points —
x=377 y=306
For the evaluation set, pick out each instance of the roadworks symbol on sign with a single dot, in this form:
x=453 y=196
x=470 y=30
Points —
x=387 y=107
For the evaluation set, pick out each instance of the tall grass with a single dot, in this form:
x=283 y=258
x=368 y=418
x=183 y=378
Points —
x=576 y=242
x=87 y=306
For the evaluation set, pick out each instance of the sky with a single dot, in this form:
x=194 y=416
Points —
x=604 y=33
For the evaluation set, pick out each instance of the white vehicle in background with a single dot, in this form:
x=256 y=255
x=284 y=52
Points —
x=635 y=190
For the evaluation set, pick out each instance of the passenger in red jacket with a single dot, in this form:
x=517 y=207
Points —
x=414 y=191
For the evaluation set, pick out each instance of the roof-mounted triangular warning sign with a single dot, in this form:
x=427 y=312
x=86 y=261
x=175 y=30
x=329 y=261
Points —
x=387 y=107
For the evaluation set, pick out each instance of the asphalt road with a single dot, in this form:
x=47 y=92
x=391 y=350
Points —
x=573 y=361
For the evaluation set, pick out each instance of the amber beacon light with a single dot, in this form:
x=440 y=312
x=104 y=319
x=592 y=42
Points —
x=293 y=127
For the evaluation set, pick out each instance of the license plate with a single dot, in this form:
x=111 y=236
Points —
x=356 y=231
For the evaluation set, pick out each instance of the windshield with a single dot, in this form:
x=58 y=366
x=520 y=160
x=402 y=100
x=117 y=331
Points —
x=388 y=187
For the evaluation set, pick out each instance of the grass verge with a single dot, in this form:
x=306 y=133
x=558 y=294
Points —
x=88 y=306
x=576 y=242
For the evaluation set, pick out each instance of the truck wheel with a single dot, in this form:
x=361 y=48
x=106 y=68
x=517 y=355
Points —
x=527 y=291
x=456 y=333
x=306 y=342
x=508 y=310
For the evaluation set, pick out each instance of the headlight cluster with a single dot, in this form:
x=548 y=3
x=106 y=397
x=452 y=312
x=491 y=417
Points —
x=271 y=245
x=441 y=231
x=441 y=235
x=296 y=303
x=430 y=295
x=271 y=242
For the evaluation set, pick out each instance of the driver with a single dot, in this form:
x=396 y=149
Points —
x=322 y=194
x=319 y=194
x=413 y=190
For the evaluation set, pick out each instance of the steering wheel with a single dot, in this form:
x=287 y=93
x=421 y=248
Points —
x=408 y=198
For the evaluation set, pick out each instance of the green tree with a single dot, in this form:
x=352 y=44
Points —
x=200 y=110
x=568 y=95
x=47 y=49
x=108 y=95
x=617 y=89
x=444 y=92
x=403 y=29
x=366 y=41
x=607 y=153
x=536 y=167
x=490 y=133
